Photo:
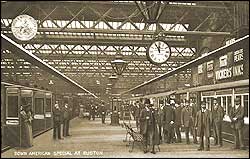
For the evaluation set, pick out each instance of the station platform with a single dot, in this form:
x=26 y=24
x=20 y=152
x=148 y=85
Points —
x=92 y=139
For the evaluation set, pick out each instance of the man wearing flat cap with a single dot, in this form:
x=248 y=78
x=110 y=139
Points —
x=203 y=124
x=237 y=122
x=217 y=116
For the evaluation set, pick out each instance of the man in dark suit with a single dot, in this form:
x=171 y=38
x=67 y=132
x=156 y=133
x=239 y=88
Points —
x=137 y=113
x=103 y=112
x=194 y=112
x=168 y=122
x=57 y=121
x=186 y=119
x=177 y=124
x=93 y=111
x=66 y=117
x=203 y=124
x=218 y=115
x=237 y=123
x=153 y=130
x=145 y=116
x=160 y=118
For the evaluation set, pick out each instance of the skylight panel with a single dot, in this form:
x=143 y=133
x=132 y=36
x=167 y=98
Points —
x=45 y=24
x=71 y=47
x=116 y=24
x=53 y=46
x=104 y=25
x=125 y=26
x=49 y=23
x=4 y=22
x=131 y=26
x=63 y=22
x=9 y=21
x=78 y=25
x=59 y=23
x=71 y=25
x=140 y=25
x=182 y=3
x=78 y=47
x=150 y=27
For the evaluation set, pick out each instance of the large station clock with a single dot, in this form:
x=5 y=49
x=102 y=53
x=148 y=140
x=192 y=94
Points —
x=24 y=27
x=158 y=52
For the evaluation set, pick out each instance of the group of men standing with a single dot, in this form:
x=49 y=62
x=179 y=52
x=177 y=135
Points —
x=61 y=115
x=165 y=123
x=94 y=110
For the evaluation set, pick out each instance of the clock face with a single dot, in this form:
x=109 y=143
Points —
x=158 y=52
x=24 y=27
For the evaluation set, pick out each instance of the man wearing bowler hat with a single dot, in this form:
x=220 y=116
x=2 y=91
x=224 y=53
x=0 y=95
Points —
x=203 y=125
x=145 y=117
x=237 y=122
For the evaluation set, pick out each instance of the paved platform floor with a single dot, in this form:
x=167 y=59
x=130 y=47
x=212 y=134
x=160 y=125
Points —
x=93 y=139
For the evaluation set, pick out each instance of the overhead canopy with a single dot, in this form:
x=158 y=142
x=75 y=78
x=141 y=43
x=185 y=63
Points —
x=159 y=94
x=211 y=55
x=219 y=86
x=23 y=53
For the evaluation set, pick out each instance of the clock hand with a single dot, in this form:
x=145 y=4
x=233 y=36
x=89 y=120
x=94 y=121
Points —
x=158 y=48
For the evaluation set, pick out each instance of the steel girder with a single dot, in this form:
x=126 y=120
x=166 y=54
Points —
x=107 y=13
x=14 y=47
x=101 y=8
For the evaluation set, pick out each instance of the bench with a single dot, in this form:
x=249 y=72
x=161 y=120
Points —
x=127 y=130
x=136 y=136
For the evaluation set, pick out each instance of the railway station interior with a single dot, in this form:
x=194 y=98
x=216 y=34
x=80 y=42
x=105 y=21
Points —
x=112 y=79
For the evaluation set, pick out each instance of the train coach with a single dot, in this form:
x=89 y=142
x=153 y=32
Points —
x=14 y=96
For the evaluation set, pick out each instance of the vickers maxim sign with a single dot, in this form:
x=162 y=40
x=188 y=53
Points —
x=230 y=72
x=238 y=70
x=224 y=73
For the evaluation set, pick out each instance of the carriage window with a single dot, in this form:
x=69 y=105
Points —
x=48 y=104
x=39 y=106
x=12 y=106
x=26 y=100
x=229 y=104
x=246 y=105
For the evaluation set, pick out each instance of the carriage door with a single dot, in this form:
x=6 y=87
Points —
x=48 y=110
x=39 y=119
x=13 y=124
